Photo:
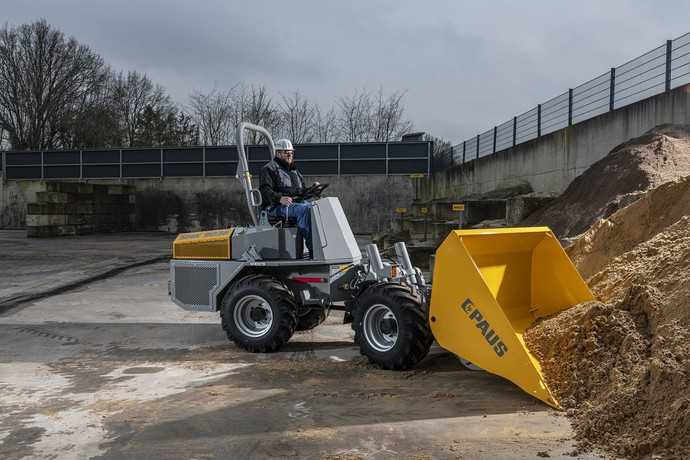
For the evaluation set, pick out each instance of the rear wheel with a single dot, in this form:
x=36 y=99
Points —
x=391 y=327
x=259 y=313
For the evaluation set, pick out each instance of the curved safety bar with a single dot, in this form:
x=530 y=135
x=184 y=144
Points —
x=253 y=196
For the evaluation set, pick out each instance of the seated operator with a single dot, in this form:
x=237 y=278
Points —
x=280 y=182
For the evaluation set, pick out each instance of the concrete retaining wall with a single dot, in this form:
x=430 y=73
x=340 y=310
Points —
x=550 y=163
x=68 y=208
x=194 y=203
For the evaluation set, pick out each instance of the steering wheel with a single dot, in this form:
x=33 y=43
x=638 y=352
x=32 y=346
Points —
x=313 y=192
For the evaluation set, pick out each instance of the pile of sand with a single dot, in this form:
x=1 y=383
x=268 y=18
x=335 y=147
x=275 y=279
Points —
x=660 y=155
x=622 y=367
x=619 y=233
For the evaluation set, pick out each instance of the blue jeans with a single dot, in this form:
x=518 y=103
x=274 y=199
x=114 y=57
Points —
x=298 y=212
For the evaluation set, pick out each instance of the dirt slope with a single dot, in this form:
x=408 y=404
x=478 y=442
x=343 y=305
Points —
x=611 y=237
x=622 y=366
x=660 y=155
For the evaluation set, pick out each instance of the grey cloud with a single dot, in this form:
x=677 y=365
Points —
x=465 y=65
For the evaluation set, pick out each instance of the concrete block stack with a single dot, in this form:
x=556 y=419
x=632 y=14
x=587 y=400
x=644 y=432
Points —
x=73 y=208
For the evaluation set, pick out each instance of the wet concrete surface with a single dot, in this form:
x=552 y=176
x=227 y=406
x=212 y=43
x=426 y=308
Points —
x=34 y=267
x=114 y=370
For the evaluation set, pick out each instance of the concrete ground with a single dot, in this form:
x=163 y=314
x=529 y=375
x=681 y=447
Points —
x=114 y=370
x=33 y=267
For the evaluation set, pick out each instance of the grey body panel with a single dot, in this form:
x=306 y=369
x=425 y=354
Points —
x=268 y=242
x=195 y=284
x=332 y=237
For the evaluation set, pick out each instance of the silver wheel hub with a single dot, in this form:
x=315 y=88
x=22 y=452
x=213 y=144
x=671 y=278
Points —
x=380 y=327
x=253 y=316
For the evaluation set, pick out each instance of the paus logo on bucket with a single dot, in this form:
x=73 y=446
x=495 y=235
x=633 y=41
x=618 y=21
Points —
x=484 y=327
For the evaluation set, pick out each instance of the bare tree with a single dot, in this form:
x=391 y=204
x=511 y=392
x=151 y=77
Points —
x=253 y=104
x=325 y=125
x=354 y=120
x=214 y=115
x=297 y=118
x=134 y=94
x=43 y=78
x=387 y=122
x=94 y=121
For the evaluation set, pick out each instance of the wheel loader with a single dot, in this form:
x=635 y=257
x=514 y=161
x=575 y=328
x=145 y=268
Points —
x=488 y=287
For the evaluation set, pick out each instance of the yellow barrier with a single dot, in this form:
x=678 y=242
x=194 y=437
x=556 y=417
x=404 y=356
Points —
x=489 y=286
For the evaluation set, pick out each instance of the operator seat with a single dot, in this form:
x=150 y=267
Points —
x=276 y=221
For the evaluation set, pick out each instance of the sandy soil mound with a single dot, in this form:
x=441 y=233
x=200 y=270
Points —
x=622 y=368
x=634 y=224
x=660 y=155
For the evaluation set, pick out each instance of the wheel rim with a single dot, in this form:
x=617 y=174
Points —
x=253 y=316
x=380 y=327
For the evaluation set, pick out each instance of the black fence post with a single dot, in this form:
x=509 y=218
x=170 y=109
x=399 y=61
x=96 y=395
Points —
x=464 y=149
x=669 y=50
x=570 y=107
x=612 y=89
x=514 y=130
x=203 y=161
x=477 y=152
x=495 y=128
x=538 y=120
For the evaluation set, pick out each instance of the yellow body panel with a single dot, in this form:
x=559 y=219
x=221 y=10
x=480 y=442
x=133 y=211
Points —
x=209 y=245
x=489 y=286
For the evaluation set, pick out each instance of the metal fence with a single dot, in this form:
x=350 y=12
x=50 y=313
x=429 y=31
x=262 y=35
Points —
x=391 y=158
x=656 y=71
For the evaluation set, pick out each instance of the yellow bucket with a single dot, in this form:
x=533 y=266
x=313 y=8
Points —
x=489 y=286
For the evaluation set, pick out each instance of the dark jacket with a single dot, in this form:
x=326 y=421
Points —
x=279 y=179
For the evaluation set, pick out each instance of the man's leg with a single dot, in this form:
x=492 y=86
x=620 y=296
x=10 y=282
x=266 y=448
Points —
x=301 y=212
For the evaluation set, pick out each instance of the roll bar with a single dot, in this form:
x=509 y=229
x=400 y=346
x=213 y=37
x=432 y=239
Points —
x=253 y=195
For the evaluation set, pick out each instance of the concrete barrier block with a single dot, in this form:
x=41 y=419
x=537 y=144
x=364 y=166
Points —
x=54 y=197
x=85 y=208
x=39 y=232
x=51 y=230
x=85 y=229
x=41 y=220
x=80 y=219
x=63 y=187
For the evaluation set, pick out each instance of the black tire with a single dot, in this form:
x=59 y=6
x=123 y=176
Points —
x=414 y=337
x=311 y=319
x=277 y=298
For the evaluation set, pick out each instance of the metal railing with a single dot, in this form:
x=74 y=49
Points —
x=656 y=71
x=382 y=158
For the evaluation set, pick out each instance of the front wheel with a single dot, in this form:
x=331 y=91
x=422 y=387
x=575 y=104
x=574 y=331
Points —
x=391 y=326
x=259 y=313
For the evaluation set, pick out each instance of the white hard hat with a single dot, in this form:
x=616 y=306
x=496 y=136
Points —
x=284 y=144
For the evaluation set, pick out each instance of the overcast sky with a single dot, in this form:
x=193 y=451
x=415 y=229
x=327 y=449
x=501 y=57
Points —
x=465 y=65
